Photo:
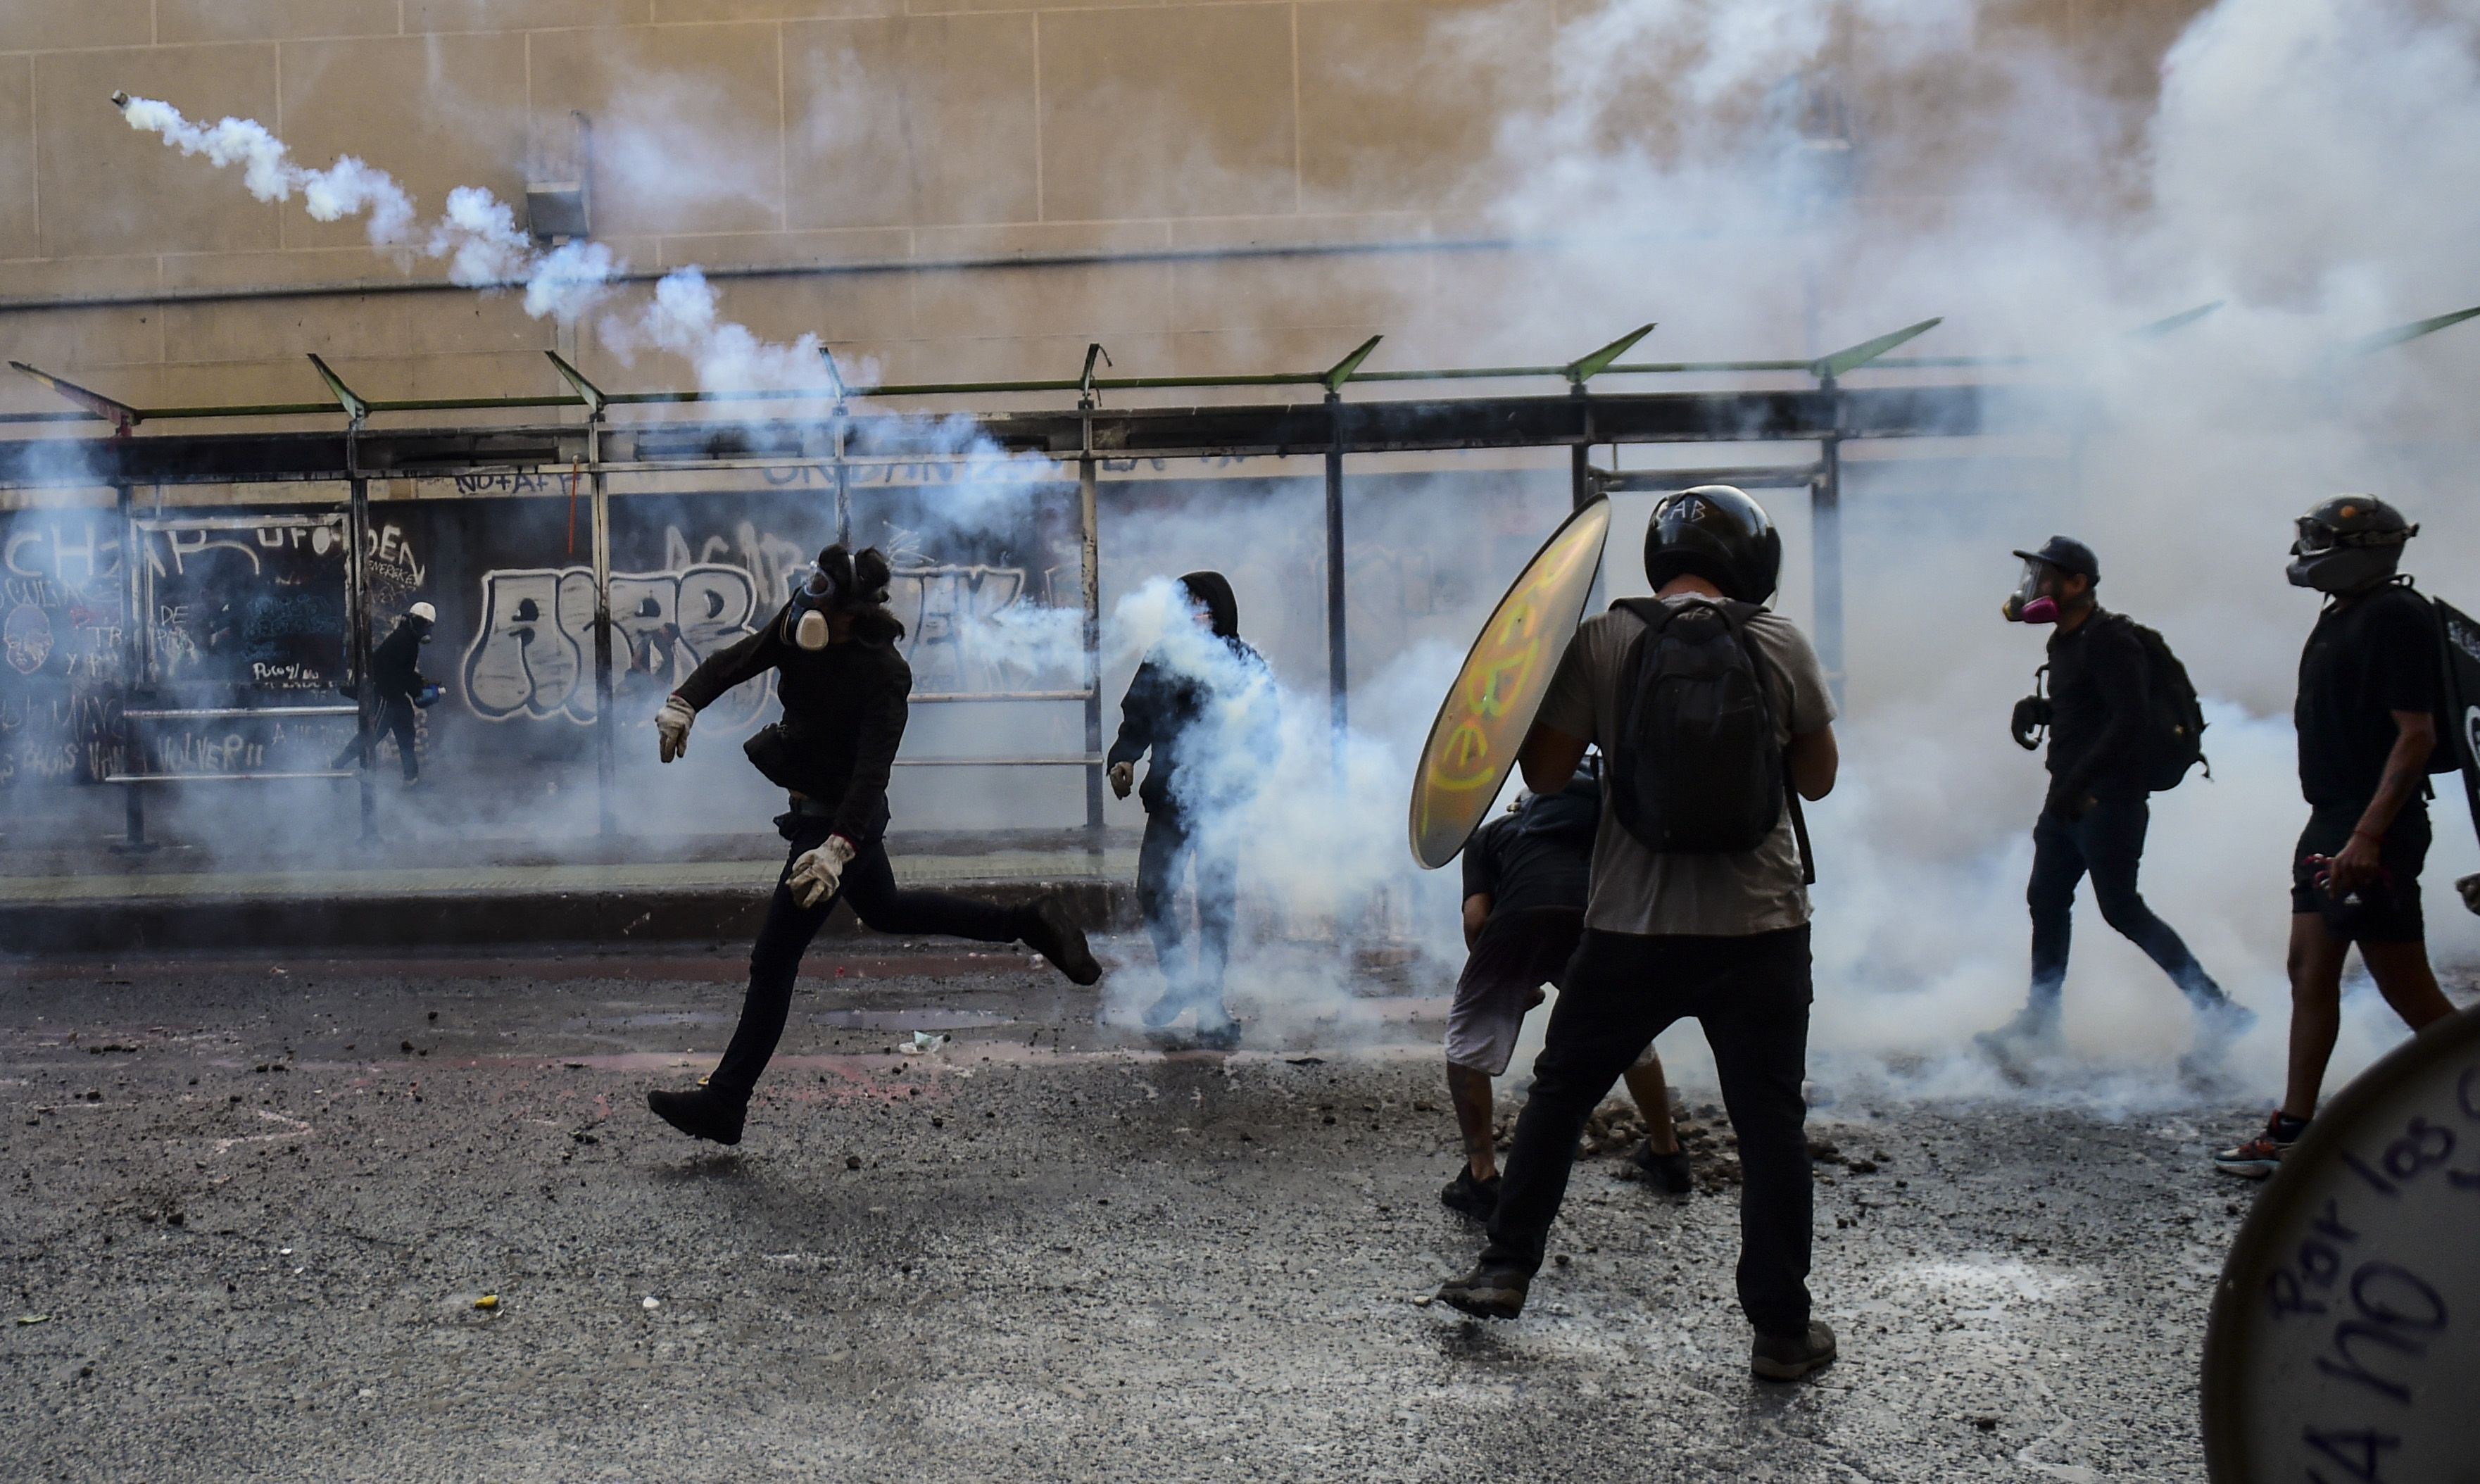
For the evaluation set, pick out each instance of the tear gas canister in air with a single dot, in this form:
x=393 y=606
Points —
x=1482 y=722
x=2345 y=1330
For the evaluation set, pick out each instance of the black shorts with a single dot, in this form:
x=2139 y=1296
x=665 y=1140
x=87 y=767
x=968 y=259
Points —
x=2381 y=911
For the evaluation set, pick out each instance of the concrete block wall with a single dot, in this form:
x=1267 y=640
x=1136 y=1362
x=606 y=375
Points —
x=756 y=132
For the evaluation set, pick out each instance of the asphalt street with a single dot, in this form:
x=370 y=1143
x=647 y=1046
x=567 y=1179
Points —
x=250 y=1208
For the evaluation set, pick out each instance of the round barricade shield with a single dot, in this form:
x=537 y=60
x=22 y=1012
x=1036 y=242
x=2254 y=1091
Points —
x=1490 y=707
x=2345 y=1342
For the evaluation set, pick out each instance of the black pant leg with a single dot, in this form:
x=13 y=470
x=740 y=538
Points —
x=399 y=722
x=1619 y=996
x=869 y=885
x=2057 y=865
x=1218 y=909
x=1160 y=860
x=773 y=964
x=1755 y=1016
x=2113 y=835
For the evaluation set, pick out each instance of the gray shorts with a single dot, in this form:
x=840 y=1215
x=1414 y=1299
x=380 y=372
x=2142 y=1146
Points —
x=1516 y=954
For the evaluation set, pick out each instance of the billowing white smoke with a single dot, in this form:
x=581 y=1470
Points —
x=1315 y=820
x=2307 y=164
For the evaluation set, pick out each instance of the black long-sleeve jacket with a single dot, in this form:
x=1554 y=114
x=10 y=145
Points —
x=1165 y=703
x=2098 y=683
x=844 y=710
x=395 y=671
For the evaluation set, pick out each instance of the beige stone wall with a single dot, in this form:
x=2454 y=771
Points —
x=854 y=132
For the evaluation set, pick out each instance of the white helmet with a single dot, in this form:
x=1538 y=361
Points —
x=424 y=612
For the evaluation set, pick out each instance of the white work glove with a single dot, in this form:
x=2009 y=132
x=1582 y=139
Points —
x=816 y=874
x=1123 y=777
x=672 y=729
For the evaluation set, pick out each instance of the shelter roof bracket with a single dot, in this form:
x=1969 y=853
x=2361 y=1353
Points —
x=1583 y=370
x=2176 y=322
x=594 y=396
x=355 y=409
x=1838 y=363
x=1085 y=400
x=1335 y=375
x=119 y=414
x=2401 y=333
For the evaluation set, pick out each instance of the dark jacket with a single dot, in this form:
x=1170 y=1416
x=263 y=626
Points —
x=1163 y=703
x=844 y=710
x=393 y=665
x=2097 y=706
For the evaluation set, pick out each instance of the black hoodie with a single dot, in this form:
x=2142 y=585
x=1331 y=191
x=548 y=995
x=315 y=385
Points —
x=1163 y=703
x=844 y=710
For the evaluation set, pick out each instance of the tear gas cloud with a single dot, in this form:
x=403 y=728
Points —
x=2304 y=163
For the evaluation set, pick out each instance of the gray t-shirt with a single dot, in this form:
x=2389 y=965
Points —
x=1637 y=890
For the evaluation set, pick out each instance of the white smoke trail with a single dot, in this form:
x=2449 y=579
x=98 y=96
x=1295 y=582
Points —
x=345 y=188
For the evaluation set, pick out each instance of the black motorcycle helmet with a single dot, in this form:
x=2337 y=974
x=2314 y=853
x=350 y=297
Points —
x=2348 y=543
x=1719 y=534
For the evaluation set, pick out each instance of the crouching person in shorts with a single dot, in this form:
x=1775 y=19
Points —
x=1526 y=878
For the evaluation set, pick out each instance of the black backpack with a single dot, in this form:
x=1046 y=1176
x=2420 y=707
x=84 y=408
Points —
x=2174 y=722
x=1695 y=770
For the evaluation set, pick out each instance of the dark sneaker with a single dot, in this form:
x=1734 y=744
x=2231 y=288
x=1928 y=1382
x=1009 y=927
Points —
x=1049 y=930
x=2261 y=1154
x=2219 y=1023
x=699 y=1114
x=1668 y=1173
x=1475 y=1198
x=1488 y=1291
x=1220 y=1036
x=2032 y=1033
x=1790 y=1357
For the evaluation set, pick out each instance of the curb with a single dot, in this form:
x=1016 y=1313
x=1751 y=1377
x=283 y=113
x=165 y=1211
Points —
x=145 y=925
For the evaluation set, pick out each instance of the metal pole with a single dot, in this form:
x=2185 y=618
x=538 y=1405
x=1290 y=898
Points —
x=357 y=601
x=843 y=483
x=1090 y=589
x=1580 y=478
x=133 y=661
x=1334 y=593
x=605 y=824
x=1826 y=519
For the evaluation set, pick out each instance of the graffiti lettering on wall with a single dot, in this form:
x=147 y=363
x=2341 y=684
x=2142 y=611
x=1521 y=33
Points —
x=254 y=602
x=533 y=655
x=62 y=620
x=393 y=569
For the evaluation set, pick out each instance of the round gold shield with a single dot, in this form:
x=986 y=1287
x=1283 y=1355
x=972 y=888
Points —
x=1481 y=724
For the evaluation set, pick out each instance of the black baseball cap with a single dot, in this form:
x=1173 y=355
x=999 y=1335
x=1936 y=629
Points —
x=2068 y=555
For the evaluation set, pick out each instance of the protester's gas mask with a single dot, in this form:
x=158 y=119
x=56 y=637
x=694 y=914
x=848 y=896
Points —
x=2035 y=600
x=820 y=590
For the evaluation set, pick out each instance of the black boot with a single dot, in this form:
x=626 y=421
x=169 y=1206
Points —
x=700 y=1114
x=1048 y=929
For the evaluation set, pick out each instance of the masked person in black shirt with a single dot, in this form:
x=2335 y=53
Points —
x=2094 y=818
x=1194 y=703
x=398 y=687
x=2367 y=717
x=1527 y=877
x=843 y=689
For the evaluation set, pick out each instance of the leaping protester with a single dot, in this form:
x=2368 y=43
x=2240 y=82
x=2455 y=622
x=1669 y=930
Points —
x=844 y=690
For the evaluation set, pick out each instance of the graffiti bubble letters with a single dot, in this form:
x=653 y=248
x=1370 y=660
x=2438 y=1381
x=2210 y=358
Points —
x=533 y=657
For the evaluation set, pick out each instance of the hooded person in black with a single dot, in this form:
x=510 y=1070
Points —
x=397 y=686
x=1174 y=707
x=844 y=690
